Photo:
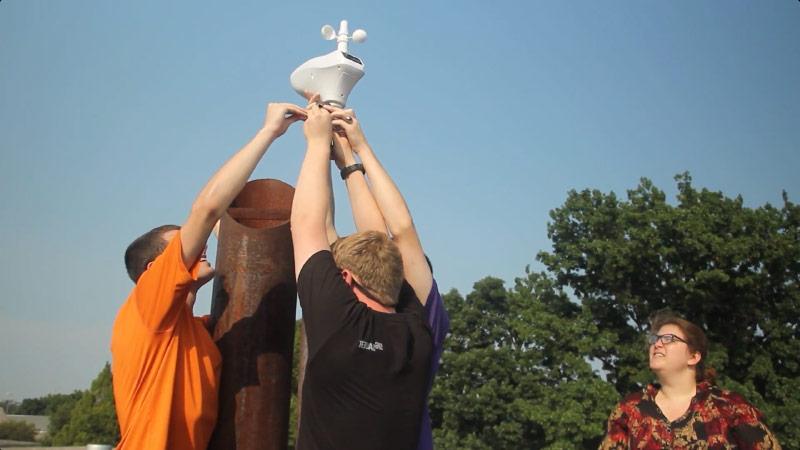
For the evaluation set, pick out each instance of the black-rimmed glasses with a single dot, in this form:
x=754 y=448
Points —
x=664 y=338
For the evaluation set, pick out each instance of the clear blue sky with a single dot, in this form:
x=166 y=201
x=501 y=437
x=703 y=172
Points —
x=114 y=114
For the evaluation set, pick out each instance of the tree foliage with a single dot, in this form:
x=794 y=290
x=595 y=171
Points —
x=732 y=269
x=91 y=419
x=542 y=364
x=9 y=406
x=513 y=375
x=16 y=430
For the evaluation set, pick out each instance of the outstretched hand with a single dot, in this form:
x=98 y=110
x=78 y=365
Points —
x=280 y=115
x=318 y=125
x=345 y=119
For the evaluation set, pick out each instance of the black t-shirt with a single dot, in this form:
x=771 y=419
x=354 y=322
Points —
x=367 y=371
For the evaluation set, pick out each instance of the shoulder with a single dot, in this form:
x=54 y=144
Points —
x=733 y=404
x=434 y=300
x=318 y=272
x=632 y=400
x=319 y=261
x=408 y=301
x=628 y=406
x=725 y=396
x=172 y=252
x=410 y=310
x=322 y=291
x=169 y=264
x=637 y=397
x=722 y=397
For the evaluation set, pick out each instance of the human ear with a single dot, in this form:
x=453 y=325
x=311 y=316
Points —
x=348 y=277
x=695 y=359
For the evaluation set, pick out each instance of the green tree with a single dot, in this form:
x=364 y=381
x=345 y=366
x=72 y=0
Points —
x=293 y=402
x=47 y=405
x=16 y=430
x=92 y=418
x=730 y=268
x=513 y=375
x=9 y=406
x=59 y=409
x=32 y=406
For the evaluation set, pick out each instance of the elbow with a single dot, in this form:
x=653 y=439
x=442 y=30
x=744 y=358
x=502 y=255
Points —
x=403 y=229
x=299 y=222
x=205 y=212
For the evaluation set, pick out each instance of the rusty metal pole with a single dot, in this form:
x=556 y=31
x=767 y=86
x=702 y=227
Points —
x=253 y=312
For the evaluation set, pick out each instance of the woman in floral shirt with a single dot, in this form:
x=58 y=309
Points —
x=684 y=410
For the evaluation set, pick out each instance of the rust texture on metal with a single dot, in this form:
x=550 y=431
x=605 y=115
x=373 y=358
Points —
x=253 y=314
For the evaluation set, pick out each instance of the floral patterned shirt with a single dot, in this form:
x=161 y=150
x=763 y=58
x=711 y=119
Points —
x=716 y=419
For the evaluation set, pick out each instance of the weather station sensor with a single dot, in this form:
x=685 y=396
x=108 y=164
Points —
x=332 y=76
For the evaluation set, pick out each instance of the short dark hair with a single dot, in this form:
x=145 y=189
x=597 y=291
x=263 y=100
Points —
x=145 y=249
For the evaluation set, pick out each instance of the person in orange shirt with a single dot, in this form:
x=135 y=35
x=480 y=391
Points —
x=165 y=365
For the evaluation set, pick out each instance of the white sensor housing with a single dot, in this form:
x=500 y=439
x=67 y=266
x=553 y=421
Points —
x=332 y=76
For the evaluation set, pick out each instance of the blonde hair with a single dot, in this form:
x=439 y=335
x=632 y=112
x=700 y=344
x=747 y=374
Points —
x=375 y=260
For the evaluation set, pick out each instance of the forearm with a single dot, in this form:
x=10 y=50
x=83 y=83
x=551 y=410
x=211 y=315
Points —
x=386 y=196
x=229 y=180
x=395 y=212
x=218 y=193
x=310 y=204
x=313 y=192
x=390 y=205
x=330 y=226
x=366 y=214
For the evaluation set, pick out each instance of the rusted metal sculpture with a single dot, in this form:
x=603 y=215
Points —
x=253 y=314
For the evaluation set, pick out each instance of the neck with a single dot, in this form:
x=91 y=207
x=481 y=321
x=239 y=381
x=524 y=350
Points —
x=678 y=385
x=372 y=304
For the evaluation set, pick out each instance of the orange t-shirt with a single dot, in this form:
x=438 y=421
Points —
x=165 y=365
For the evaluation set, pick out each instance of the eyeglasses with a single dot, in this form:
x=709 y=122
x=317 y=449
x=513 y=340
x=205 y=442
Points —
x=664 y=338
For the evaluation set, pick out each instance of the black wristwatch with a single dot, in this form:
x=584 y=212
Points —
x=345 y=172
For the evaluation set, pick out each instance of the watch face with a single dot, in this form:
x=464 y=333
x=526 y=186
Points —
x=352 y=58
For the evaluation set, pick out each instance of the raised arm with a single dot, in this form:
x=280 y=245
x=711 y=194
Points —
x=366 y=214
x=330 y=225
x=312 y=196
x=392 y=206
x=222 y=188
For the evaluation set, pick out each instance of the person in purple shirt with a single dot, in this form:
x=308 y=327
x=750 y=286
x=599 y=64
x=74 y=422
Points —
x=380 y=206
x=439 y=323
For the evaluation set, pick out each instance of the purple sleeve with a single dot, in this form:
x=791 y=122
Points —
x=439 y=322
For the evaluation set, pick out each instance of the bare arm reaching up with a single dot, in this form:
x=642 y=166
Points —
x=366 y=214
x=312 y=196
x=391 y=204
x=219 y=192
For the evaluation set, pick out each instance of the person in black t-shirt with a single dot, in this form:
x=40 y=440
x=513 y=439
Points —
x=380 y=206
x=369 y=348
